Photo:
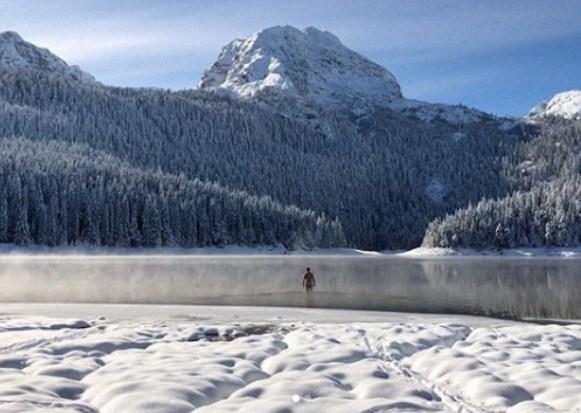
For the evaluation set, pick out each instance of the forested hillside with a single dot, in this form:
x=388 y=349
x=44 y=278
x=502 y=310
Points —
x=253 y=162
x=383 y=175
x=549 y=215
x=544 y=212
x=54 y=193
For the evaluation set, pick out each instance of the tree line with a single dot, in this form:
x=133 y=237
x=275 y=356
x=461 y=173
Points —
x=55 y=193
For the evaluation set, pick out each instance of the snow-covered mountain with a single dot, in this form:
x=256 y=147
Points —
x=289 y=157
x=17 y=54
x=311 y=64
x=315 y=67
x=566 y=104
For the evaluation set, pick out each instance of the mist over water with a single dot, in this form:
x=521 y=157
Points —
x=512 y=287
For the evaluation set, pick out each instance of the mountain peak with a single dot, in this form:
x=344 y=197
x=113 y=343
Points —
x=17 y=54
x=10 y=37
x=309 y=64
x=565 y=104
x=313 y=66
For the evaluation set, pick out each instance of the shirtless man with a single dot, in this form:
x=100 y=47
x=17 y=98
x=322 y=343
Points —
x=309 y=280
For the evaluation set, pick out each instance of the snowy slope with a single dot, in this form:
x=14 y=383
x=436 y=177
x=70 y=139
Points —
x=566 y=105
x=17 y=54
x=315 y=67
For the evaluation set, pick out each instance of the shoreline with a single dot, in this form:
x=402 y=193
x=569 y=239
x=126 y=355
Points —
x=9 y=250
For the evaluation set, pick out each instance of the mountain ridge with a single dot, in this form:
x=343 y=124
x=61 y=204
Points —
x=264 y=66
x=309 y=64
x=314 y=67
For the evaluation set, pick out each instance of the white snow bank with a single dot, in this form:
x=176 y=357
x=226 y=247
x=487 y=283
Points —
x=242 y=250
x=572 y=252
x=39 y=250
x=505 y=369
x=169 y=365
x=338 y=251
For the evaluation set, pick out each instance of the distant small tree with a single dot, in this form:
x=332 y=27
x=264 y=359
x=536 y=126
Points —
x=22 y=230
x=501 y=236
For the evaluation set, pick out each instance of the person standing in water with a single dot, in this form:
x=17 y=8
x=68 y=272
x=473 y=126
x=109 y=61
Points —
x=308 y=284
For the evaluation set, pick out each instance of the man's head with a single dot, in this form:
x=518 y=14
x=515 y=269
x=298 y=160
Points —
x=308 y=269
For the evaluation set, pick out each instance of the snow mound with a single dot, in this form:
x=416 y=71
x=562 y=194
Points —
x=309 y=64
x=17 y=54
x=166 y=365
x=572 y=252
x=512 y=369
x=430 y=252
x=566 y=105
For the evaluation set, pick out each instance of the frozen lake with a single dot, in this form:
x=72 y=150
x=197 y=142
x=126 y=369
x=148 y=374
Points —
x=503 y=286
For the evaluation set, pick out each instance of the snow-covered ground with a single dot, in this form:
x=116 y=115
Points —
x=572 y=252
x=173 y=359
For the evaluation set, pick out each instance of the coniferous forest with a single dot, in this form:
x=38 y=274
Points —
x=544 y=210
x=83 y=163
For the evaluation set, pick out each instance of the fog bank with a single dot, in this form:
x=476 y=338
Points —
x=511 y=287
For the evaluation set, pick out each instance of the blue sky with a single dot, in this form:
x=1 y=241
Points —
x=502 y=56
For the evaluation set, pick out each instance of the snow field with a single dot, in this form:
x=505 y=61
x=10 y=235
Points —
x=177 y=365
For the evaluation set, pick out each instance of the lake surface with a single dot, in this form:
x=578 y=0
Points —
x=500 y=286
